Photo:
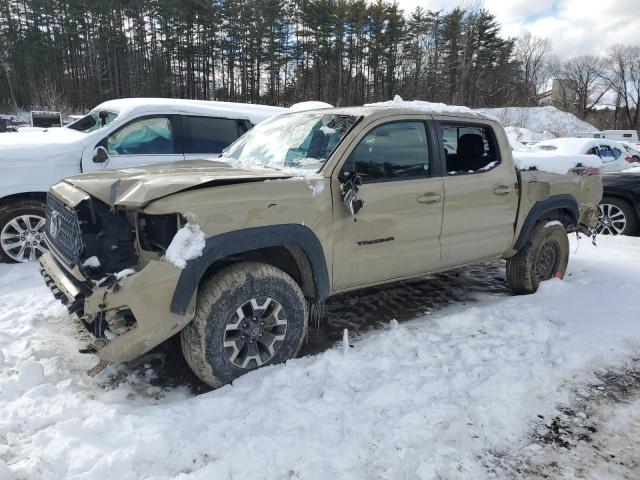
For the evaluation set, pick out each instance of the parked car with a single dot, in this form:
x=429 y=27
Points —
x=620 y=206
x=116 y=134
x=614 y=156
x=633 y=150
x=236 y=254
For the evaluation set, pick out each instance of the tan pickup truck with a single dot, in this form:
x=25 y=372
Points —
x=236 y=254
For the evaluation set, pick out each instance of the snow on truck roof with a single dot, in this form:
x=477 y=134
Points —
x=252 y=112
x=414 y=106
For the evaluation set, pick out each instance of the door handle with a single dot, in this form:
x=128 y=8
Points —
x=501 y=190
x=429 y=198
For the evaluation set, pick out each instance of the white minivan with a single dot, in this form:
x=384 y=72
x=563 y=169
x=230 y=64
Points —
x=116 y=134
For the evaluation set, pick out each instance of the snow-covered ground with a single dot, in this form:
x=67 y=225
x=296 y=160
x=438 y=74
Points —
x=462 y=392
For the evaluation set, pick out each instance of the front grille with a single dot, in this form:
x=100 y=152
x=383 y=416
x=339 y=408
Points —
x=63 y=230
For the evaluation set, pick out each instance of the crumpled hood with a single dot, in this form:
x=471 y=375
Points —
x=40 y=145
x=138 y=186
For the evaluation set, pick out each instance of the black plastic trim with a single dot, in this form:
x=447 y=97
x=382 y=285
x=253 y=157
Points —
x=563 y=201
x=241 y=241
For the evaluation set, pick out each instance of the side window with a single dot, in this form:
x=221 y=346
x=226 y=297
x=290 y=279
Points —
x=593 y=151
x=209 y=135
x=147 y=136
x=606 y=153
x=395 y=151
x=469 y=149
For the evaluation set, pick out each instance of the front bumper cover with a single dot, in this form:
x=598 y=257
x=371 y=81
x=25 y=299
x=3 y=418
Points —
x=147 y=295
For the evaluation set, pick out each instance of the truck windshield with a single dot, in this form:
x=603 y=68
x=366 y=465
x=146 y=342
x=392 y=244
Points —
x=95 y=120
x=302 y=140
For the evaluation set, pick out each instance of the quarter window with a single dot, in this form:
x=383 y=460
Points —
x=209 y=135
x=147 y=136
x=469 y=149
x=395 y=151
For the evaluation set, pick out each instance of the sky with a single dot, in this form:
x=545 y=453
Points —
x=575 y=27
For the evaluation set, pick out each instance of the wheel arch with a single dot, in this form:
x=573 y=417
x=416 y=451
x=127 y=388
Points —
x=293 y=248
x=16 y=197
x=563 y=208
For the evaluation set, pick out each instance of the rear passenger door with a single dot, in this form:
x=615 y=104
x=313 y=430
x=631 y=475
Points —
x=206 y=137
x=480 y=197
x=397 y=232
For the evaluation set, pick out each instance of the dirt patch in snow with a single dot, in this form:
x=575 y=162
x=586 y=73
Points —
x=594 y=437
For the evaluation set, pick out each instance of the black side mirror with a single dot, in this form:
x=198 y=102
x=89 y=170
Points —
x=100 y=155
x=349 y=187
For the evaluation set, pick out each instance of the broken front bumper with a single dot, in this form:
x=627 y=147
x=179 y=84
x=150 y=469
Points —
x=127 y=318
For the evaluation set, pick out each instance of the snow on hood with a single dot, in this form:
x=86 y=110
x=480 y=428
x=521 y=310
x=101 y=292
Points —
x=138 y=186
x=37 y=138
x=430 y=107
x=560 y=164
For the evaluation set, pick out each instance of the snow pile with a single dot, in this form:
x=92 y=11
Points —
x=430 y=107
x=524 y=135
x=560 y=164
x=430 y=398
x=91 y=262
x=187 y=244
x=547 y=120
x=516 y=146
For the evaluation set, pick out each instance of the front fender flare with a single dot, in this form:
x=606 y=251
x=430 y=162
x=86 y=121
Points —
x=240 y=241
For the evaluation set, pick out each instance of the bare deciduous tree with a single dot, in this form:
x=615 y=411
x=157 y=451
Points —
x=584 y=78
x=536 y=61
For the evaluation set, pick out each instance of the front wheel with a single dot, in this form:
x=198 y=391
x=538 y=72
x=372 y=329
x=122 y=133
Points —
x=544 y=256
x=247 y=316
x=22 y=231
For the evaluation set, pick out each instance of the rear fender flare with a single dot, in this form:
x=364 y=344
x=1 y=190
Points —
x=241 y=241
x=542 y=208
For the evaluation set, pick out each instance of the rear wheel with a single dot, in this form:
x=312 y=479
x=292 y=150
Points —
x=22 y=231
x=617 y=217
x=544 y=256
x=247 y=316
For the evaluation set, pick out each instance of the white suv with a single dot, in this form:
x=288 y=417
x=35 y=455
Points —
x=116 y=134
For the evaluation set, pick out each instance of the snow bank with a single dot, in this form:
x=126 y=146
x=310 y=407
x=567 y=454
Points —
x=430 y=398
x=547 y=120
x=525 y=135
x=560 y=164
x=187 y=244
x=430 y=107
x=632 y=170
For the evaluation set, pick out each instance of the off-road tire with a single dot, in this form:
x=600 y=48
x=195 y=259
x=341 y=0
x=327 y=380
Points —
x=632 y=225
x=218 y=299
x=523 y=268
x=15 y=209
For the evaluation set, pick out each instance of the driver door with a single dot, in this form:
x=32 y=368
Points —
x=148 y=139
x=396 y=234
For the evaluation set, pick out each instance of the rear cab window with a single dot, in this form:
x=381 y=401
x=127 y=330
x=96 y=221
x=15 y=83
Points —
x=469 y=148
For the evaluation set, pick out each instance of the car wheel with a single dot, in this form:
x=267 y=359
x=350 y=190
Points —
x=247 y=316
x=617 y=217
x=22 y=231
x=544 y=256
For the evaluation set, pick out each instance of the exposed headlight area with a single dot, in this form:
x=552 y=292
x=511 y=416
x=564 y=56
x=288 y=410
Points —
x=155 y=232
